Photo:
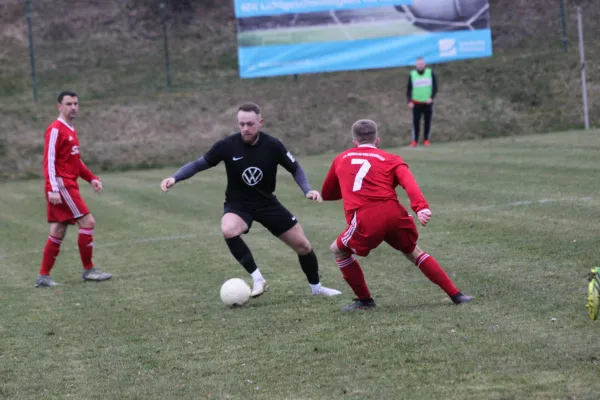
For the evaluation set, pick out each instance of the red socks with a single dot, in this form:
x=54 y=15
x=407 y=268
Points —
x=85 y=241
x=51 y=251
x=353 y=274
x=432 y=270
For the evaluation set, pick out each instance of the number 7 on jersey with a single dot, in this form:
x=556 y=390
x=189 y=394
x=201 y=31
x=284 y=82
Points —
x=365 y=165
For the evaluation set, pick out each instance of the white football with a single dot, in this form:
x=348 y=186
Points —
x=446 y=10
x=235 y=292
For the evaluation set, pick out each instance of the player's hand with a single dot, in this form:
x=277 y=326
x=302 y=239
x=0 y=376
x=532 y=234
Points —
x=429 y=101
x=424 y=216
x=167 y=184
x=411 y=105
x=97 y=185
x=314 y=195
x=54 y=198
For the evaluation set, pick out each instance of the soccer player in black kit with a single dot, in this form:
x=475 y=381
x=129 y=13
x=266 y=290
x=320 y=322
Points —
x=251 y=158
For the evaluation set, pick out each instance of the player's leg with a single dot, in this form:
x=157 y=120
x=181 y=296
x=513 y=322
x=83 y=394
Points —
x=402 y=235
x=80 y=213
x=85 y=242
x=436 y=274
x=352 y=273
x=428 y=116
x=58 y=230
x=234 y=223
x=416 y=124
x=283 y=224
x=295 y=238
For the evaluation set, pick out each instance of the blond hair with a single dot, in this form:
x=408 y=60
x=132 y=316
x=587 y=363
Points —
x=364 y=131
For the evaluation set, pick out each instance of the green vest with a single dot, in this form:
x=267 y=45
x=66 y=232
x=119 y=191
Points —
x=422 y=85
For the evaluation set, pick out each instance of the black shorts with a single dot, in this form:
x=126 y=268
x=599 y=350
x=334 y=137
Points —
x=273 y=216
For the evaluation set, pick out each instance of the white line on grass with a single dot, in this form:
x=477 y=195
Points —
x=531 y=202
x=193 y=236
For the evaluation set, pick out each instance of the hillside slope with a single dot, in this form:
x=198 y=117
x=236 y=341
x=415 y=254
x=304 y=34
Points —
x=112 y=53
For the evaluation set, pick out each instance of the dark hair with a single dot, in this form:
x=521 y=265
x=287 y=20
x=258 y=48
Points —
x=64 y=93
x=250 y=107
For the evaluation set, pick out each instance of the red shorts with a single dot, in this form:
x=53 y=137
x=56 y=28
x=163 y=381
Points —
x=386 y=222
x=72 y=206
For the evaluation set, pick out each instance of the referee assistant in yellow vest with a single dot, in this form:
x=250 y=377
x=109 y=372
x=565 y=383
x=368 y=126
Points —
x=421 y=91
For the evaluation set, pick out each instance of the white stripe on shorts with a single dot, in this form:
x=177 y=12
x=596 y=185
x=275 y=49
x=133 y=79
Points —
x=68 y=199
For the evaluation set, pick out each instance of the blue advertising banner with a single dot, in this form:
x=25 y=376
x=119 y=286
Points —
x=307 y=36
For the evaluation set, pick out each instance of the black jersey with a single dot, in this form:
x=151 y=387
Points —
x=251 y=170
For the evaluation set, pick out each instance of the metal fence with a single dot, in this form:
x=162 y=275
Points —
x=141 y=47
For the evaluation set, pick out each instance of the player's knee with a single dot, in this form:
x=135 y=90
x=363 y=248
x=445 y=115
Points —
x=87 y=222
x=334 y=248
x=414 y=255
x=231 y=230
x=303 y=247
x=337 y=252
x=90 y=223
x=232 y=226
x=58 y=231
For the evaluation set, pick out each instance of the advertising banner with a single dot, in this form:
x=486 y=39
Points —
x=285 y=37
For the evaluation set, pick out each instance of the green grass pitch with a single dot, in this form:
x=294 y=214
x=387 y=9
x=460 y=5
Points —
x=356 y=31
x=515 y=224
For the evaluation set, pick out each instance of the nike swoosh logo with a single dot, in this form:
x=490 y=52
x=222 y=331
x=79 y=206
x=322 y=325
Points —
x=237 y=158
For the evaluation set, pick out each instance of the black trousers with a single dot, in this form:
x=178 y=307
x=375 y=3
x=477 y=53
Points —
x=425 y=111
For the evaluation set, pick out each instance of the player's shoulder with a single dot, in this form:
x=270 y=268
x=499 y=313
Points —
x=56 y=124
x=61 y=127
x=391 y=156
x=268 y=138
x=57 y=127
x=231 y=138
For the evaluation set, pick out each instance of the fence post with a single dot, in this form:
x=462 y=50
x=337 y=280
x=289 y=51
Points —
x=31 y=50
x=582 y=61
x=163 y=9
x=564 y=25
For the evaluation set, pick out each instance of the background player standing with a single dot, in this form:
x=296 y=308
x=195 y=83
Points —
x=421 y=91
x=365 y=178
x=251 y=159
x=62 y=167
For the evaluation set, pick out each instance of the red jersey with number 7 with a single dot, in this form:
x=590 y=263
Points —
x=365 y=176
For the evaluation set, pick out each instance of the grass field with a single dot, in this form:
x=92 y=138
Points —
x=515 y=224
x=328 y=33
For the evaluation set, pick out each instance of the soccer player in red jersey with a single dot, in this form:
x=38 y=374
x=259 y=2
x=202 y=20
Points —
x=366 y=177
x=62 y=167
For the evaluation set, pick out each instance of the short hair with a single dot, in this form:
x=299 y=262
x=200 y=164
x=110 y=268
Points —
x=64 y=93
x=364 y=131
x=250 y=107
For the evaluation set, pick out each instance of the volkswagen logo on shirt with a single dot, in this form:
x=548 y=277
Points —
x=252 y=175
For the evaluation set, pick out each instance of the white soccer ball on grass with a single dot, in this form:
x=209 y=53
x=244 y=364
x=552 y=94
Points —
x=235 y=292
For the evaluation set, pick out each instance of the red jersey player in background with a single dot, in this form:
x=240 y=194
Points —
x=366 y=177
x=62 y=167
